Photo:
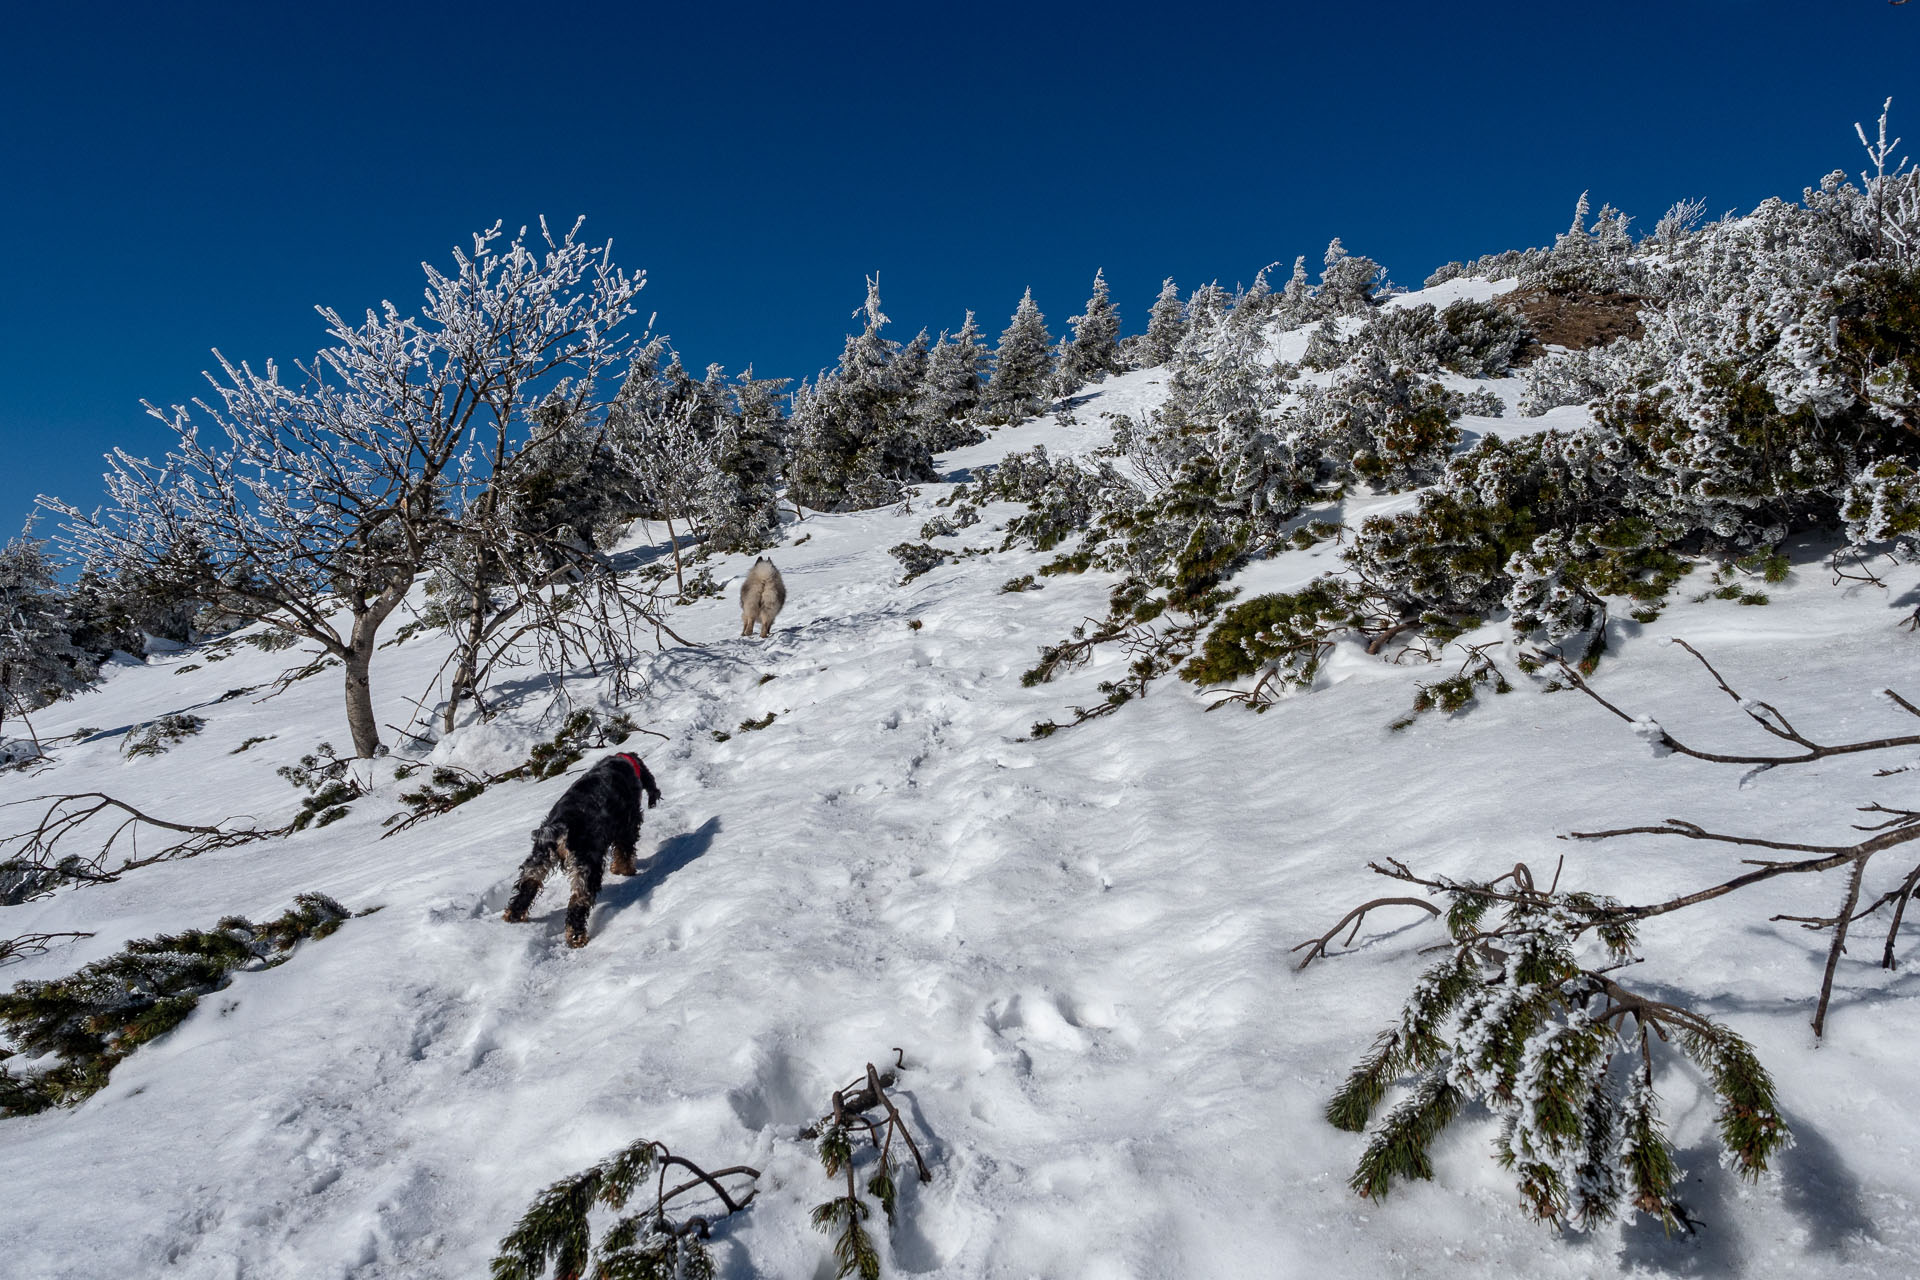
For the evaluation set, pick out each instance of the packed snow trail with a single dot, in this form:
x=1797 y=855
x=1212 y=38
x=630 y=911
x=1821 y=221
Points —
x=1081 y=945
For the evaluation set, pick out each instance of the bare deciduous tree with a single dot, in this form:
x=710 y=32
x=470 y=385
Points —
x=318 y=502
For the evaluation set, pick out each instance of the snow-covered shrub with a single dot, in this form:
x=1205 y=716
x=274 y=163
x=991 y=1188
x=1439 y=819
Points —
x=1509 y=526
x=322 y=774
x=1569 y=377
x=1281 y=637
x=1882 y=504
x=1475 y=339
x=39 y=659
x=1326 y=349
x=1061 y=495
x=94 y=1018
x=1381 y=423
x=1591 y=259
x=1508 y=264
x=584 y=730
x=917 y=558
x=155 y=737
x=1483 y=403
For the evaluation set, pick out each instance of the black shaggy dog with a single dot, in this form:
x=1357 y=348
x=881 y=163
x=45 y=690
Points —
x=591 y=830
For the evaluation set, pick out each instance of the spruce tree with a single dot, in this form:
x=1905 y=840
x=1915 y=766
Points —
x=1296 y=305
x=83 y=1025
x=855 y=438
x=750 y=461
x=1165 y=327
x=1094 y=350
x=39 y=662
x=1022 y=366
x=950 y=392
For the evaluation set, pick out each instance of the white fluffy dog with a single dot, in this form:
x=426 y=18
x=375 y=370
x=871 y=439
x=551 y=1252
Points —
x=761 y=596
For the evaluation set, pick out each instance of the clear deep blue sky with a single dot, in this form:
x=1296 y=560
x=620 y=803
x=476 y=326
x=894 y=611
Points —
x=179 y=177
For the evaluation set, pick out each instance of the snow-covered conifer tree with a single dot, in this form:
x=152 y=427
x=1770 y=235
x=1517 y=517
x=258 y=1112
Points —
x=1094 y=350
x=1296 y=306
x=951 y=390
x=855 y=438
x=39 y=662
x=1165 y=327
x=750 y=461
x=1346 y=282
x=1022 y=366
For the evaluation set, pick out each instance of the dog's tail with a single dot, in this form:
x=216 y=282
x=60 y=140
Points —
x=647 y=784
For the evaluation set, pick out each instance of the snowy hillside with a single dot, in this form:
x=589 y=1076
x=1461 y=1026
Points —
x=1081 y=946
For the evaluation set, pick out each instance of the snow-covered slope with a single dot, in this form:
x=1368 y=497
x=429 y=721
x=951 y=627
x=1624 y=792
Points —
x=1081 y=945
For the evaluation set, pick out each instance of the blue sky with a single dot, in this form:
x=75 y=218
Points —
x=179 y=177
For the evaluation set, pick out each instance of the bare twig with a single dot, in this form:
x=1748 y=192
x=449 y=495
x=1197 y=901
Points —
x=1762 y=714
x=896 y=1122
x=1358 y=916
x=31 y=944
x=65 y=814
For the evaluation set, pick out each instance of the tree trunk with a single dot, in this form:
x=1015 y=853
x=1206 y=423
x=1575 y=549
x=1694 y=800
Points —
x=674 y=542
x=466 y=670
x=359 y=658
x=360 y=721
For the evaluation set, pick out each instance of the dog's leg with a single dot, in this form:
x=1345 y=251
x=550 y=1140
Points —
x=620 y=857
x=533 y=873
x=585 y=874
x=766 y=625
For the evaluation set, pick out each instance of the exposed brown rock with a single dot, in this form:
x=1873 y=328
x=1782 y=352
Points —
x=1575 y=319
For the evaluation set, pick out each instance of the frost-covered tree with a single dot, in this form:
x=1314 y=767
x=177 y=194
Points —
x=750 y=462
x=1022 y=366
x=855 y=437
x=314 y=503
x=1296 y=305
x=1166 y=324
x=674 y=457
x=950 y=393
x=1346 y=282
x=39 y=663
x=1093 y=351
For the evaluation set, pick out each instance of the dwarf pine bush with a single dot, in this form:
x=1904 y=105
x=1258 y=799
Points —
x=556 y=1231
x=91 y=1020
x=1521 y=1017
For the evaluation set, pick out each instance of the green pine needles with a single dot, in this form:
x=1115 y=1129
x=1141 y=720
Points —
x=94 y=1018
x=1519 y=1018
x=556 y=1230
x=844 y=1217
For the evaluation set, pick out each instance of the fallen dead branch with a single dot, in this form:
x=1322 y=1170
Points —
x=1763 y=714
x=32 y=944
x=39 y=859
x=1358 y=916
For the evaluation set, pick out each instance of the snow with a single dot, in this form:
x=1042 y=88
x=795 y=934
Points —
x=1081 y=945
